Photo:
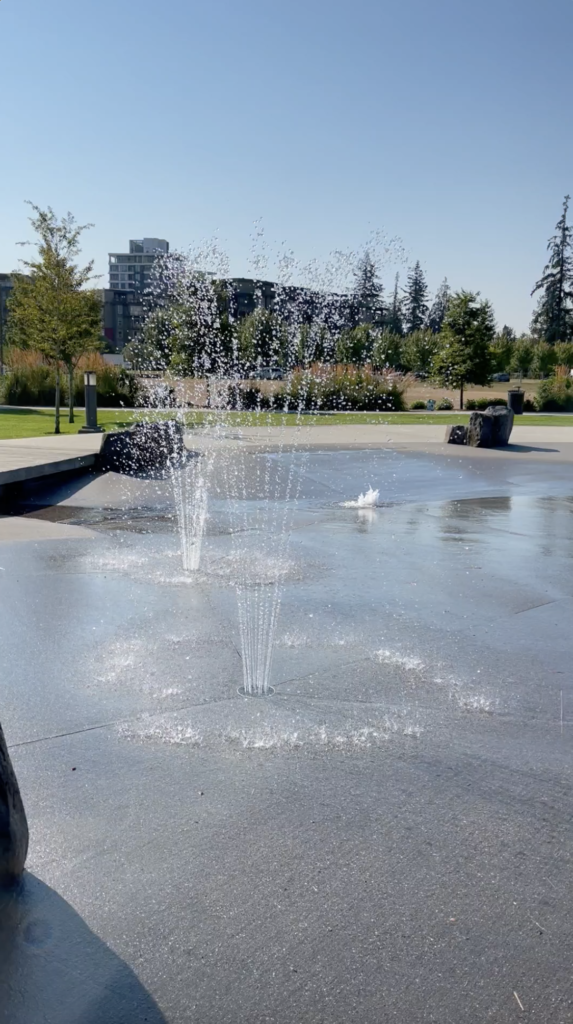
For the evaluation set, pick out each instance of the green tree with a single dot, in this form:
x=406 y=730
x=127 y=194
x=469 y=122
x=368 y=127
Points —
x=502 y=350
x=522 y=356
x=262 y=339
x=355 y=345
x=186 y=326
x=368 y=292
x=394 y=317
x=463 y=356
x=553 y=318
x=439 y=307
x=564 y=354
x=416 y=300
x=543 y=359
x=419 y=351
x=50 y=309
x=386 y=350
x=313 y=344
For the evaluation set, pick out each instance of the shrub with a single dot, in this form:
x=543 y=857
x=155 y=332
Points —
x=30 y=385
x=342 y=389
x=444 y=404
x=35 y=384
x=555 y=395
x=251 y=398
x=484 y=403
x=115 y=387
x=418 y=405
x=529 y=405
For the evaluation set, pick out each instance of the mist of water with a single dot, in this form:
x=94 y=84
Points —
x=184 y=306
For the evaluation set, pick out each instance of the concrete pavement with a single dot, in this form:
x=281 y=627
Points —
x=30 y=458
x=27 y=458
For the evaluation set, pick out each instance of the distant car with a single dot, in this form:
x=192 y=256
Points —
x=270 y=373
x=501 y=377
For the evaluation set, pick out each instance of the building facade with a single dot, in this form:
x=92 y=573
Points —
x=129 y=275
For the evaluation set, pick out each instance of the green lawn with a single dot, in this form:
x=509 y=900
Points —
x=15 y=422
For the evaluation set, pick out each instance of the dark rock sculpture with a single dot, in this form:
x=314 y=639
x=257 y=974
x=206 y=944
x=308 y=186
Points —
x=502 y=423
x=457 y=433
x=480 y=430
x=144 y=447
x=489 y=429
x=13 y=824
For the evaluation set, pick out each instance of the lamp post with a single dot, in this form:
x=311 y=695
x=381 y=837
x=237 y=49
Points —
x=90 y=388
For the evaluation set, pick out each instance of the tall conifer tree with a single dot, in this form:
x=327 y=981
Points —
x=553 y=318
x=368 y=292
x=439 y=307
x=416 y=300
x=394 y=317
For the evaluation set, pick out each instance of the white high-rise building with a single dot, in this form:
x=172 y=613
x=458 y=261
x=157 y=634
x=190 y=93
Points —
x=130 y=271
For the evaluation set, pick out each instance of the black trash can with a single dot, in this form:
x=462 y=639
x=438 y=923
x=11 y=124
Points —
x=515 y=399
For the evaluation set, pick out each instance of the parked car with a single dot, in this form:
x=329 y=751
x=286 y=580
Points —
x=269 y=373
x=501 y=377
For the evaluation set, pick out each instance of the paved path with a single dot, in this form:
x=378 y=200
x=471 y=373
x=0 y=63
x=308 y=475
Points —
x=30 y=458
x=555 y=443
x=27 y=458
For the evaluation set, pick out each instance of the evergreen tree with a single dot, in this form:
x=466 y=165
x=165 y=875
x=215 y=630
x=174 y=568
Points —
x=508 y=334
x=416 y=300
x=553 y=318
x=464 y=354
x=394 y=317
x=368 y=292
x=439 y=308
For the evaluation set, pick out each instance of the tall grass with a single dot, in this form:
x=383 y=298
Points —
x=31 y=380
x=343 y=388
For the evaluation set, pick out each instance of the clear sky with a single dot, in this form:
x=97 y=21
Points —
x=447 y=123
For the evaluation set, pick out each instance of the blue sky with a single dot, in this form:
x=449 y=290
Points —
x=446 y=123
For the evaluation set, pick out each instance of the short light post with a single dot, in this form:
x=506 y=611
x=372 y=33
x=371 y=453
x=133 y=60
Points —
x=90 y=388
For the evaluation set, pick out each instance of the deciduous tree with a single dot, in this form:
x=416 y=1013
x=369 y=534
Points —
x=50 y=309
x=464 y=353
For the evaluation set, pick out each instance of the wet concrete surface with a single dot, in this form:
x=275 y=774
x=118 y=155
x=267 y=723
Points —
x=387 y=838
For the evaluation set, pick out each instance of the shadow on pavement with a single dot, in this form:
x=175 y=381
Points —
x=526 y=448
x=54 y=969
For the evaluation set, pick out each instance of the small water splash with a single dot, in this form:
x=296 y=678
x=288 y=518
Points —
x=475 y=702
x=266 y=737
x=406 y=661
x=369 y=499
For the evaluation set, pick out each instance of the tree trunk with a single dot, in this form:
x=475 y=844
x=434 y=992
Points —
x=461 y=398
x=70 y=393
x=57 y=420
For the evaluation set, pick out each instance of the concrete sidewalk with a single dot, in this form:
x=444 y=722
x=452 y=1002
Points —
x=28 y=458
x=31 y=458
x=537 y=442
